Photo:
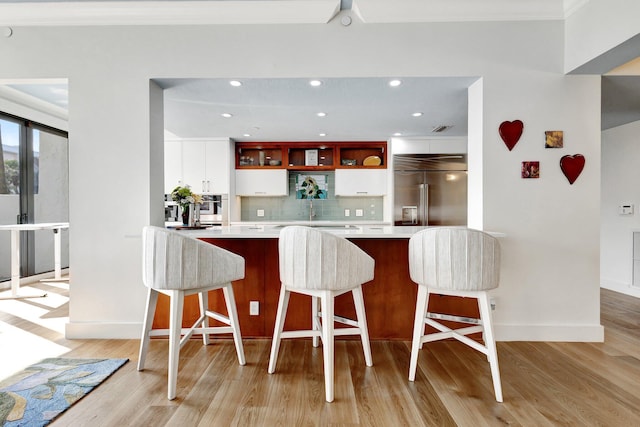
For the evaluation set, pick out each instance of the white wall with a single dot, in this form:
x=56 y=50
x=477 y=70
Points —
x=620 y=178
x=598 y=26
x=550 y=279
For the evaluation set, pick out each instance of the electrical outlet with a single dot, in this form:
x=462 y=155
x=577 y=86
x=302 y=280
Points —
x=347 y=212
x=254 y=308
x=359 y=212
x=260 y=212
x=492 y=303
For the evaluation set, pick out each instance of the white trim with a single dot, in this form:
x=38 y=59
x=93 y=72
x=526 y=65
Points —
x=557 y=333
x=168 y=12
x=278 y=11
x=100 y=330
x=398 y=11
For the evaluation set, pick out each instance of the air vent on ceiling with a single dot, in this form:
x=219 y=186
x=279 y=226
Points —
x=440 y=128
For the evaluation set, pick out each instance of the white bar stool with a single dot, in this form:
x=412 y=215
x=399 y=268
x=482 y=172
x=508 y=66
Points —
x=460 y=262
x=177 y=265
x=322 y=265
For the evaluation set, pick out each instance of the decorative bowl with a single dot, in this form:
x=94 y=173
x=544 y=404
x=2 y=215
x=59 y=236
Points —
x=274 y=162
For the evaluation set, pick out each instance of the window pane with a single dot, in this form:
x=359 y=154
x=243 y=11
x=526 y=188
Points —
x=9 y=158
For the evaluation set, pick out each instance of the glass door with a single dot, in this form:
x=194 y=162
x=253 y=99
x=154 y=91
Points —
x=10 y=137
x=34 y=183
x=50 y=198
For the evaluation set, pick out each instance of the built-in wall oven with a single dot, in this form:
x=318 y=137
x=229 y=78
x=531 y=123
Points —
x=213 y=209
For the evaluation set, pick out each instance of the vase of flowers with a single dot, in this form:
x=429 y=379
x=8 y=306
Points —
x=187 y=201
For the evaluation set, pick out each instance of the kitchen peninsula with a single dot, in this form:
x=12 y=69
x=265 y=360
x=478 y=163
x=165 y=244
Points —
x=389 y=299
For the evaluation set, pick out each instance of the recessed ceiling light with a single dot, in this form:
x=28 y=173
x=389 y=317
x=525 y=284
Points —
x=397 y=134
x=322 y=134
x=246 y=135
x=395 y=83
x=235 y=83
x=418 y=114
x=226 y=115
x=315 y=83
x=321 y=114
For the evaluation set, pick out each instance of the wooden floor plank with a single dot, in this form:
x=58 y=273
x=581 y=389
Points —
x=544 y=384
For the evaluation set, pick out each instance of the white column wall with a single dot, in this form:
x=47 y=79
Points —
x=620 y=177
x=550 y=276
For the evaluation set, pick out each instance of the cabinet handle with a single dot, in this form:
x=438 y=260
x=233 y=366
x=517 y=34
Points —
x=208 y=186
x=260 y=192
x=362 y=192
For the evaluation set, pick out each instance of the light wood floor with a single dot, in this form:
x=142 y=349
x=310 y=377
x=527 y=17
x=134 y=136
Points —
x=545 y=384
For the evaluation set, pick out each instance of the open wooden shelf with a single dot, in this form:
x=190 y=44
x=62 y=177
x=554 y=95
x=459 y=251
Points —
x=310 y=155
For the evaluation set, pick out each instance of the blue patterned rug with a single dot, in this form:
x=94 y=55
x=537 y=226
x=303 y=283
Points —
x=37 y=395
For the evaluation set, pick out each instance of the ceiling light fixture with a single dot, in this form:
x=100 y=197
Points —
x=395 y=83
x=418 y=114
x=315 y=83
x=226 y=115
x=397 y=134
x=246 y=135
x=235 y=83
x=321 y=114
x=322 y=134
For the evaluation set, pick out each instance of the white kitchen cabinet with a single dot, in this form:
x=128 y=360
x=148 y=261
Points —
x=257 y=182
x=202 y=165
x=361 y=182
x=172 y=165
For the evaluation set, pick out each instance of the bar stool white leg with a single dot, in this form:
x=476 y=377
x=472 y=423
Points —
x=152 y=301
x=176 y=306
x=326 y=302
x=283 y=302
x=358 y=300
x=203 y=301
x=418 y=329
x=233 y=320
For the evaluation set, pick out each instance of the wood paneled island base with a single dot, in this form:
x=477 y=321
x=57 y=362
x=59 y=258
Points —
x=390 y=299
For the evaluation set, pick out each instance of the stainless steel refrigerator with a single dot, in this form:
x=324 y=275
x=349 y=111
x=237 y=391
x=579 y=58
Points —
x=430 y=189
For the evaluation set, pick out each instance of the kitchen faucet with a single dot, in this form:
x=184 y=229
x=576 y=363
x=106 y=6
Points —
x=311 y=212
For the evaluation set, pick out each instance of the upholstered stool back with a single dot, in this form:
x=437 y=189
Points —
x=175 y=261
x=455 y=258
x=312 y=259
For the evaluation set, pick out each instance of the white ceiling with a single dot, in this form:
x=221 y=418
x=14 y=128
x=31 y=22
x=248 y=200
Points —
x=285 y=109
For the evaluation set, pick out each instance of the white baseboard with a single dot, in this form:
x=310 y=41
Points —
x=623 y=288
x=96 y=330
x=558 y=333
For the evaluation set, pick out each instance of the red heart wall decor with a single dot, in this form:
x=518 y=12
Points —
x=572 y=166
x=510 y=132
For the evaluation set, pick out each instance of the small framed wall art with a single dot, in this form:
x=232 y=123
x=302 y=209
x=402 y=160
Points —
x=553 y=139
x=530 y=170
x=311 y=157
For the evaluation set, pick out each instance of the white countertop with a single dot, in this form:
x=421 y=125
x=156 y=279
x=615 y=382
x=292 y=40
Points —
x=254 y=231
x=38 y=226
x=273 y=231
